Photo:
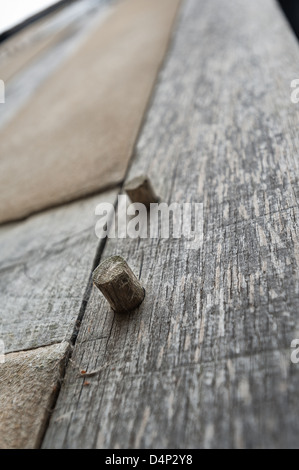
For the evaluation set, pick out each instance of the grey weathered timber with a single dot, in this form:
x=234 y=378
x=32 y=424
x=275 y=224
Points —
x=45 y=266
x=205 y=360
x=29 y=382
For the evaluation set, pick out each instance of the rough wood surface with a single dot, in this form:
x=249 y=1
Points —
x=80 y=113
x=29 y=382
x=45 y=266
x=205 y=361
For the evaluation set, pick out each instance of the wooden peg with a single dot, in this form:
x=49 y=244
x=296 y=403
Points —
x=114 y=278
x=140 y=189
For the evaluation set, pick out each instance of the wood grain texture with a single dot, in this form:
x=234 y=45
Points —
x=45 y=266
x=205 y=360
x=28 y=384
x=75 y=120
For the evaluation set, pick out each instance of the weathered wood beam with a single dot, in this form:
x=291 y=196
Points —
x=204 y=360
x=45 y=269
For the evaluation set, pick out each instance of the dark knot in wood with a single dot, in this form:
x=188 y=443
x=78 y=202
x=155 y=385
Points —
x=140 y=190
